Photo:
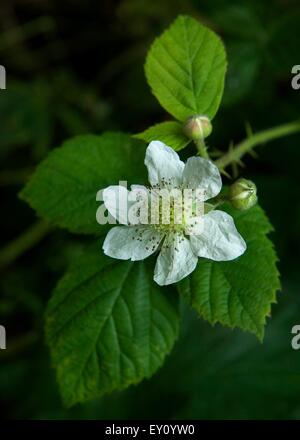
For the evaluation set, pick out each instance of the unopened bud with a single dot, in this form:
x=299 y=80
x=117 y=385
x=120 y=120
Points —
x=197 y=127
x=242 y=194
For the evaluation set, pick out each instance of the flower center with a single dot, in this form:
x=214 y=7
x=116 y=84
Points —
x=172 y=210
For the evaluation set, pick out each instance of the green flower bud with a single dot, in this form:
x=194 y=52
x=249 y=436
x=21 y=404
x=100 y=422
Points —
x=197 y=127
x=242 y=194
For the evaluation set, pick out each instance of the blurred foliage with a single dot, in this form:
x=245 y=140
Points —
x=75 y=67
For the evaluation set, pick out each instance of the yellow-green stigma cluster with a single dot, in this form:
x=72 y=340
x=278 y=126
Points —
x=173 y=212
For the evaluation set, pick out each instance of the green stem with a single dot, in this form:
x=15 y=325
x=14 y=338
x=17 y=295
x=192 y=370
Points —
x=245 y=146
x=24 y=242
x=201 y=147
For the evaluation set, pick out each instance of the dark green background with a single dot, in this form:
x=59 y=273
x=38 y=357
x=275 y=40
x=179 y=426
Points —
x=77 y=66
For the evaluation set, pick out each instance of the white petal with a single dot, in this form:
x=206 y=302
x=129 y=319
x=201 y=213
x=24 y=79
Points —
x=219 y=240
x=138 y=206
x=163 y=164
x=175 y=261
x=131 y=242
x=115 y=198
x=203 y=174
x=119 y=201
x=194 y=225
x=138 y=187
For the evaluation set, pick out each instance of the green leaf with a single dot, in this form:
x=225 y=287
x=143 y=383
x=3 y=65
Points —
x=108 y=326
x=168 y=132
x=238 y=293
x=64 y=186
x=185 y=69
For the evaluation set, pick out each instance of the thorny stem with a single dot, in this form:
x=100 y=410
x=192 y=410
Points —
x=40 y=229
x=201 y=147
x=24 y=242
x=235 y=154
